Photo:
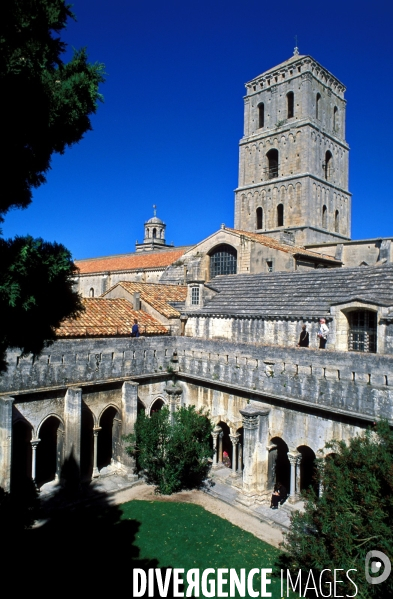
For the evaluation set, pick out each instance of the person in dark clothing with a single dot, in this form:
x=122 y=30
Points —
x=304 y=338
x=135 y=329
x=279 y=495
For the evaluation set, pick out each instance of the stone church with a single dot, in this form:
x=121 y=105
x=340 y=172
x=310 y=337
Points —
x=221 y=320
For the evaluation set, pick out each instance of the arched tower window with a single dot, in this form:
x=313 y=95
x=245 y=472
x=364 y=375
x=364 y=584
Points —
x=327 y=166
x=154 y=233
x=335 y=115
x=324 y=217
x=280 y=215
x=223 y=260
x=259 y=218
x=91 y=292
x=336 y=222
x=362 y=333
x=261 y=115
x=290 y=105
x=272 y=157
x=318 y=106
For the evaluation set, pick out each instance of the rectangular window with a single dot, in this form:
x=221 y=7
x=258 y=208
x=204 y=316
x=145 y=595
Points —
x=195 y=296
x=269 y=264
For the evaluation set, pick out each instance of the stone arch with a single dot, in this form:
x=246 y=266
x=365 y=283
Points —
x=141 y=407
x=22 y=435
x=223 y=260
x=259 y=218
x=157 y=405
x=279 y=469
x=308 y=469
x=49 y=453
x=91 y=292
x=226 y=443
x=109 y=437
x=280 y=215
x=273 y=163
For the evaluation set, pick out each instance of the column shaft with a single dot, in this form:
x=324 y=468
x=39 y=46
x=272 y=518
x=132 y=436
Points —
x=5 y=442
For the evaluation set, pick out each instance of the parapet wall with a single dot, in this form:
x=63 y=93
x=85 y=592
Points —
x=346 y=383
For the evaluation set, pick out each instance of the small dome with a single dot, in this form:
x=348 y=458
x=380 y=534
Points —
x=154 y=220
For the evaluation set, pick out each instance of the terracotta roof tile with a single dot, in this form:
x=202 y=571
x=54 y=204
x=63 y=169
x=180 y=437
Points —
x=129 y=261
x=108 y=318
x=157 y=296
x=283 y=247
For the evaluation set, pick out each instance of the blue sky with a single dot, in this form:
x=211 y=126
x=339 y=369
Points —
x=169 y=129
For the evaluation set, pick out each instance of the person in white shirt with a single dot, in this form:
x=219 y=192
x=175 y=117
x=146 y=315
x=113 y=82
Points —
x=323 y=333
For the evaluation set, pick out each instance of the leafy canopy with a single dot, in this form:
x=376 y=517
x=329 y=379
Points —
x=44 y=104
x=352 y=517
x=173 y=456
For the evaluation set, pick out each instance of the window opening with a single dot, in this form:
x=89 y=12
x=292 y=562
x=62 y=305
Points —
x=261 y=115
x=280 y=215
x=362 y=335
x=91 y=292
x=269 y=264
x=259 y=218
x=272 y=169
x=317 y=106
x=336 y=222
x=223 y=261
x=327 y=165
x=195 y=296
x=154 y=233
x=335 y=118
x=324 y=217
x=290 y=105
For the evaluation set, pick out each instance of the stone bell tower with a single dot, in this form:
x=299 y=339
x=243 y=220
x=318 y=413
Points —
x=154 y=238
x=293 y=167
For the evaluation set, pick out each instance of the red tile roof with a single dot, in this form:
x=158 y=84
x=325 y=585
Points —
x=108 y=318
x=283 y=247
x=130 y=261
x=156 y=295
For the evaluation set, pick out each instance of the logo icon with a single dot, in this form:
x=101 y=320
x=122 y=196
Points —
x=377 y=558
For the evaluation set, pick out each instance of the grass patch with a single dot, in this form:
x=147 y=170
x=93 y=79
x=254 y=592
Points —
x=180 y=535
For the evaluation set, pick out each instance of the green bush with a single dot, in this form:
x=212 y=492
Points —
x=352 y=517
x=173 y=456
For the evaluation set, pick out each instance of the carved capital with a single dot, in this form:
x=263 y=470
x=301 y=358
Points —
x=234 y=439
x=294 y=458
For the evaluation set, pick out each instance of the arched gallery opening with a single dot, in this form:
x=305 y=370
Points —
x=87 y=444
x=49 y=450
x=239 y=450
x=226 y=444
x=21 y=454
x=108 y=437
x=308 y=469
x=140 y=406
x=279 y=466
x=157 y=406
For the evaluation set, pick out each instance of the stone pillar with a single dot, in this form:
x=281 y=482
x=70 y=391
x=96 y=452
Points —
x=240 y=458
x=220 y=436
x=235 y=441
x=215 y=434
x=34 y=445
x=294 y=458
x=129 y=412
x=73 y=424
x=96 y=472
x=271 y=471
x=174 y=393
x=251 y=424
x=5 y=442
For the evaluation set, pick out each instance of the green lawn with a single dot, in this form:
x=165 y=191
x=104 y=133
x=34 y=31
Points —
x=180 y=535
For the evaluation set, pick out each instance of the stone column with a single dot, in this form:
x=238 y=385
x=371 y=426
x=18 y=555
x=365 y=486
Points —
x=294 y=459
x=215 y=434
x=240 y=458
x=96 y=472
x=235 y=441
x=34 y=445
x=73 y=424
x=174 y=393
x=129 y=412
x=272 y=459
x=220 y=436
x=5 y=442
x=251 y=424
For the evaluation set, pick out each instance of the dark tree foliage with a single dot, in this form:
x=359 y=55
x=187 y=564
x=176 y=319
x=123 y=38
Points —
x=45 y=106
x=352 y=517
x=172 y=456
x=44 y=103
x=35 y=292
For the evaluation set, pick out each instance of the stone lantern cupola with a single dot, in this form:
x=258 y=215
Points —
x=154 y=238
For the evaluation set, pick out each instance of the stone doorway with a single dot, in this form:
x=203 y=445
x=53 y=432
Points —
x=157 y=406
x=108 y=438
x=308 y=469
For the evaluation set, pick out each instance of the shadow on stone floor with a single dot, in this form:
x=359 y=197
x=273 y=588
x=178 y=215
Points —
x=79 y=544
